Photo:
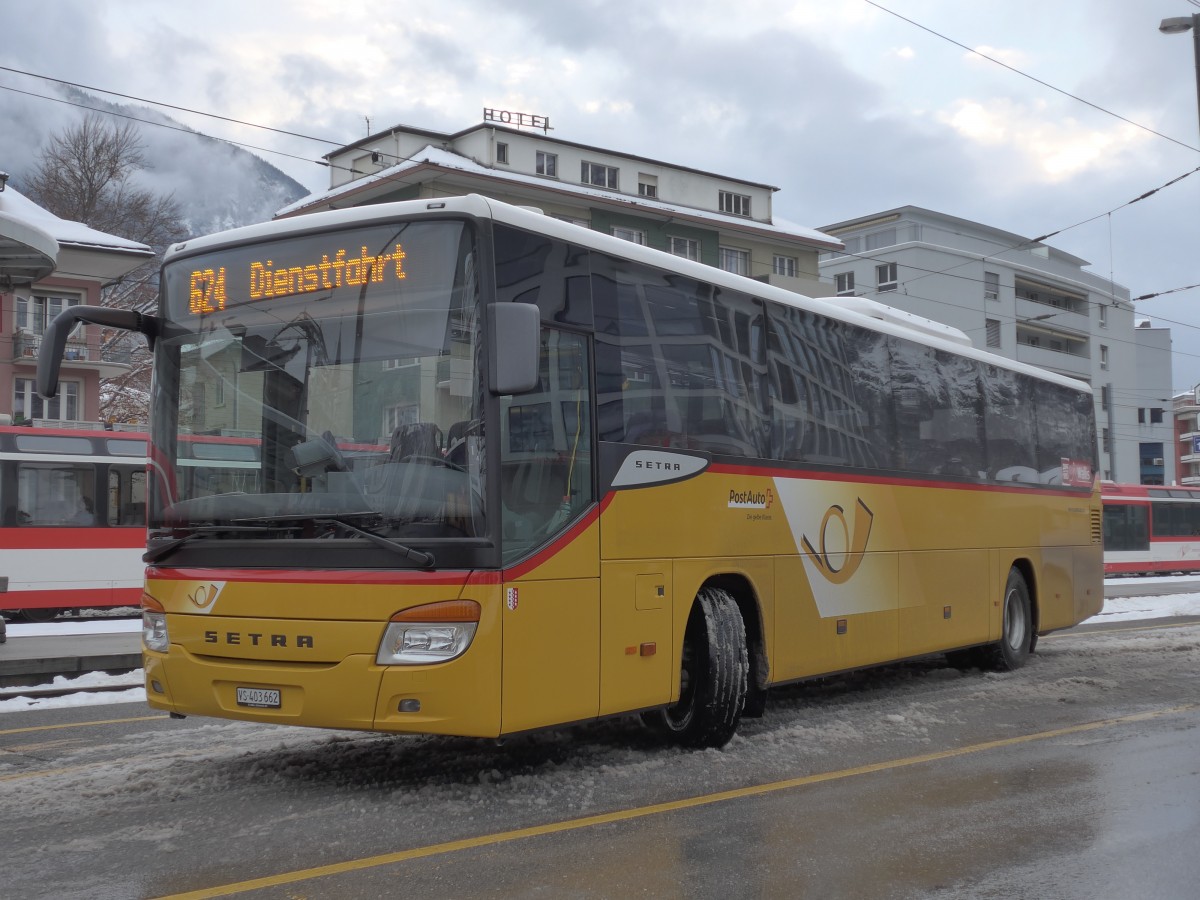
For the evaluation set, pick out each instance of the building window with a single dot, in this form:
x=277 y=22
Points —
x=629 y=234
x=601 y=176
x=784 y=265
x=1104 y=392
x=1103 y=356
x=992 y=327
x=734 y=204
x=1103 y=314
x=736 y=261
x=1106 y=441
x=35 y=313
x=502 y=153
x=1156 y=415
x=647 y=185
x=844 y=283
x=991 y=285
x=685 y=247
x=28 y=405
x=547 y=164
x=885 y=277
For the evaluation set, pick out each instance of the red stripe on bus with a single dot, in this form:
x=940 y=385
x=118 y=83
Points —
x=341 y=576
x=557 y=546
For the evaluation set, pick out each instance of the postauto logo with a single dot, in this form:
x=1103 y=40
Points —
x=751 y=499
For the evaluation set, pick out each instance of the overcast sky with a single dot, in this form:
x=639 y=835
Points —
x=847 y=108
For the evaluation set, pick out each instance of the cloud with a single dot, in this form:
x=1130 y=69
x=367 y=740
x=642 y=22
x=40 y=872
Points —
x=1040 y=145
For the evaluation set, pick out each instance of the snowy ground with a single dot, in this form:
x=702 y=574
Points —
x=1115 y=609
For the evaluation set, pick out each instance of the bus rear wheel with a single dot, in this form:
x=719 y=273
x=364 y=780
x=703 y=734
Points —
x=713 y=676
x=1016 y=629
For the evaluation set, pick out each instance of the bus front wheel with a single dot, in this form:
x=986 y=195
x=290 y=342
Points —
x=713 y=676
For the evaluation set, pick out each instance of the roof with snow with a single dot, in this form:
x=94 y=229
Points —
x=432 y=157
x=32 y=237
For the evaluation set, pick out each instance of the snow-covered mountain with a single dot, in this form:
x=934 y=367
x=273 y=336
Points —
x=218 y=185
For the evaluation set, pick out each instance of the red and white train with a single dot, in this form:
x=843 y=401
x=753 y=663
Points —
x=1151 y=529
x=73 y=513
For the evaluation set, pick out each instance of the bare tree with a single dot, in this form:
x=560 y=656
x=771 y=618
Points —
x=87 y=174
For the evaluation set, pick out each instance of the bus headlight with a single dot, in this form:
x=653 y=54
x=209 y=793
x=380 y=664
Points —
x=154 y=625
x=433 y=633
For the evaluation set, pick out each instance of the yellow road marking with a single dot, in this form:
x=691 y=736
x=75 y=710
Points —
x=77 y=725
x=625 y=815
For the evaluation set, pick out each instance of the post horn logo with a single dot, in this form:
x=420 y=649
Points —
x=855 y=542
x=204 y=596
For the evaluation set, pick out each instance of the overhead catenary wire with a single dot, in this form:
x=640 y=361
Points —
x=326 y=164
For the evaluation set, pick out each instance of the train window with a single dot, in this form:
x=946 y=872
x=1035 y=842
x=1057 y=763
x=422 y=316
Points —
x=1126 y=527
x=41 y=443
x=126 y=447
x=245 y=452
x=126 y=496
x=55 y=494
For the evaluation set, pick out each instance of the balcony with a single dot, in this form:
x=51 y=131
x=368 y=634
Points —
x=26 y=346
x=1074 y=364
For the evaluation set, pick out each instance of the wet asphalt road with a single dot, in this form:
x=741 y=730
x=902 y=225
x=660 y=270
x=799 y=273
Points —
x=1075 y=777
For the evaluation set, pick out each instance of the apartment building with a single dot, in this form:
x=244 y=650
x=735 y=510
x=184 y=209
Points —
x=1028 y=301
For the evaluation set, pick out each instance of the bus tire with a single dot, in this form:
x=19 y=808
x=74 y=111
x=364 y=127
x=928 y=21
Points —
x=713 y=676
x=1016 y=628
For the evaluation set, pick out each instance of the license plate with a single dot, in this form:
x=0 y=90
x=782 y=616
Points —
x=260 y=698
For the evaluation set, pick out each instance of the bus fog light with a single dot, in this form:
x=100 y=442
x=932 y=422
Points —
x=410 y=705
x=154 y=631
x=413 y=643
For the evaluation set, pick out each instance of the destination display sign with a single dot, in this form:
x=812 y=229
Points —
x=217 y=288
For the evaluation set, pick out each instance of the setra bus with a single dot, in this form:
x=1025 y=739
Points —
x=516 y=474
x=1150 y=529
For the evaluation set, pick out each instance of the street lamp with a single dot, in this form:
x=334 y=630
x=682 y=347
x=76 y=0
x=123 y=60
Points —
x=1178 y=25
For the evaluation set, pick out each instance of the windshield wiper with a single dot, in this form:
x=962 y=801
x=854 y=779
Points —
x=420 y=557
x=154 y=554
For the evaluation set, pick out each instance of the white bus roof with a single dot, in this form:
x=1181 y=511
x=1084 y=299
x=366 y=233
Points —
x=854 y=310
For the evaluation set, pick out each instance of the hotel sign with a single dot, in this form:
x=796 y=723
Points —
x=516 y=119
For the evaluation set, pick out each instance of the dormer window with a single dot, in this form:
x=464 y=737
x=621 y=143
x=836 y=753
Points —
x=734 y=204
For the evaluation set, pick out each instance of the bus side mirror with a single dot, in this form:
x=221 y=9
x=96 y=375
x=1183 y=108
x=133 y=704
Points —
x=514 y=331
x=54 y=340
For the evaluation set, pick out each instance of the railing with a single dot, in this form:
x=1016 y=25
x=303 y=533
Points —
x=26 y=346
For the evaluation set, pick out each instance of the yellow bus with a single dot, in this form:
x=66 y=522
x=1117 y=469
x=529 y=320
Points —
x=515 y=474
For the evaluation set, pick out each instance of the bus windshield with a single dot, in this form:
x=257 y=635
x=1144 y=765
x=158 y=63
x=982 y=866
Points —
x=339 y=370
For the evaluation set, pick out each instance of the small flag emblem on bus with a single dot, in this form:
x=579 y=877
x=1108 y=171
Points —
x=510 y=598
